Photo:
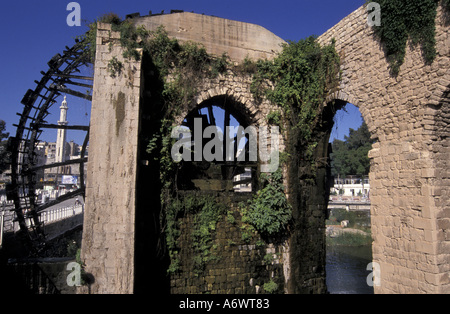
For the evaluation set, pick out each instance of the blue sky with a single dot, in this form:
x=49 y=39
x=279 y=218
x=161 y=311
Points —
x=33 y=32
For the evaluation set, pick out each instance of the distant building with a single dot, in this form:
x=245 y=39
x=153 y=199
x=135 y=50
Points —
x=243 y=187
x=351 y=186
x=57 y=152
x=49 y=153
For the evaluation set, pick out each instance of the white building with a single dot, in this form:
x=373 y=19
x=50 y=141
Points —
x=244 y=187
x=351 y=186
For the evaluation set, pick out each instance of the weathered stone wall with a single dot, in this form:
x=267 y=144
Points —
x=239 y=266
x=109 y=220
x=238 y=39
x=408 y=116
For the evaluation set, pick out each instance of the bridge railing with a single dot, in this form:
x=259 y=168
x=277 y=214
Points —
x=348 y=199
x=49 y=216
x=60 y=213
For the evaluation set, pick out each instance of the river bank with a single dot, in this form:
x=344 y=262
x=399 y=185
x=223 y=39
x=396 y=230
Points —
x=336 y=235
x=350 y=228
x=349 y=252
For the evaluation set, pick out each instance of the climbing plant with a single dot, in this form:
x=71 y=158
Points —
x=90 y=37
x=268 y=211
x=205 y=212
x=412 y=20
x=302 y=76
x=177 y=69
x=180 y=68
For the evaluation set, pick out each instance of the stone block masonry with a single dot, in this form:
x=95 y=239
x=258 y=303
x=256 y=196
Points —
x=408 y=116
x=238 y=39
x=109 y=238
x=238 y=266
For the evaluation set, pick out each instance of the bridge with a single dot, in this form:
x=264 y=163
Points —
x=38 y=275
x=350 y=205
x=56 y=220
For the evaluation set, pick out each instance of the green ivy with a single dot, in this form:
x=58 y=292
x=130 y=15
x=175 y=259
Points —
x=269 y=211
x=172 y=232
x=186 y=64
x=298 y=80
x=302 y=76
x=115 y=67
x=90 y=37
x=274 y=118
x=402 y=20
x=206 y=213
x=270 y=287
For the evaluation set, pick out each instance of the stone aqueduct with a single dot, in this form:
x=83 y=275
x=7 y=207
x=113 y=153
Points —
x=408 y=116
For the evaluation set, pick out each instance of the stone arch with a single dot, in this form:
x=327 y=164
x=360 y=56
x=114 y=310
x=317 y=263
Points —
x=239 y=109
x=203 y=180
x=400 y=113
x=236 y=88
x=231 y=109
x=341 y=98
x=227 y=102
x=240 y=106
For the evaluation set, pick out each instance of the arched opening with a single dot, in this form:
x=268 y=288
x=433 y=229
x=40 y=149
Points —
x=168 y=247
x=348 y=232
x=216 y=148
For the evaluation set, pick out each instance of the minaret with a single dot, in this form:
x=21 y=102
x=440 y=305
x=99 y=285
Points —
x=61 y=138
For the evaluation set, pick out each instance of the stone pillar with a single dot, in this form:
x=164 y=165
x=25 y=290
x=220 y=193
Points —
x=109 y=219
x=408 y=116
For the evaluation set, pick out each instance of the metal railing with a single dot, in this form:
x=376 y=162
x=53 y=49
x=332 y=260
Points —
x=60 y=213
x=9 y=223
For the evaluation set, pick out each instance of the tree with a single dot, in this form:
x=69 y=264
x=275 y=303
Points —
x=4 y=154
x=350 y=157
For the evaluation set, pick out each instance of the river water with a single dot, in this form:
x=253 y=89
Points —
x=346 y=268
